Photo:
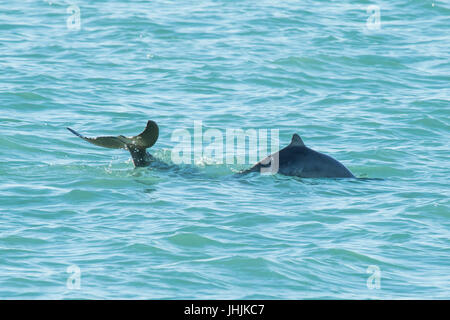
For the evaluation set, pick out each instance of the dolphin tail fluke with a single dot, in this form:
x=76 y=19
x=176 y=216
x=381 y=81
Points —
x=106 y=142
x=141 y=142
x=137 y=145
x=148 y=137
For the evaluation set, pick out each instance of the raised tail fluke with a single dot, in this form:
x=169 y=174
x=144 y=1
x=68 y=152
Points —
x=137 y=145
x=106 y=142
x=148 y=137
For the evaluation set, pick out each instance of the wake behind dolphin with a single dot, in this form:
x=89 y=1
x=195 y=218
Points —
x=294 y=160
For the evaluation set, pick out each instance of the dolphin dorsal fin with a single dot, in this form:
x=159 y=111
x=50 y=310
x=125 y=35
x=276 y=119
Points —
x=296 y=141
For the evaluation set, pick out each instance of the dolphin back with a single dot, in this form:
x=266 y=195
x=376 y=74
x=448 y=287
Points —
x=298 y=160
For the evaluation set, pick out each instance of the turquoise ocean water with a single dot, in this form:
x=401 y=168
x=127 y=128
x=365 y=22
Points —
x=365 y=82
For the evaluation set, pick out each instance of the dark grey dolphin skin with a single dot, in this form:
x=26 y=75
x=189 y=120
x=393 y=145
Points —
x=294 y=160
x=298 y=160
x=137 y=145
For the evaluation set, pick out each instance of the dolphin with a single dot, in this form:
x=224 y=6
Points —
x=294 y=160
x=137 y=145
x=298 y=160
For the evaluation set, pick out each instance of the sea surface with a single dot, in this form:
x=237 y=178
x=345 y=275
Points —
x=366 y=82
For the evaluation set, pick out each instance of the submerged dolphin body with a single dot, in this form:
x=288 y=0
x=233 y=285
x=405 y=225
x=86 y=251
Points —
x=137 y=145
x=298 y=160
